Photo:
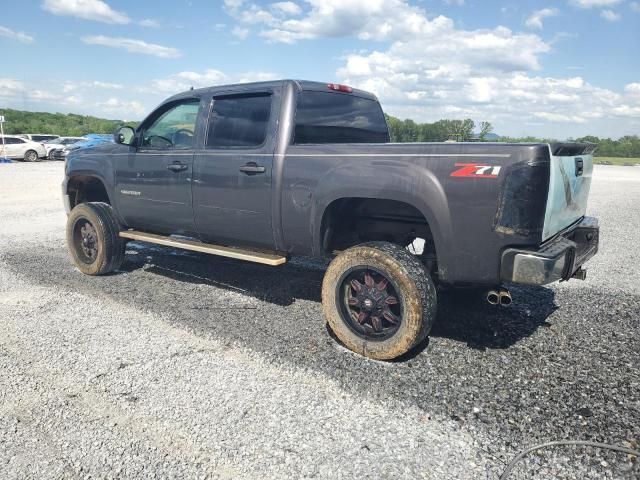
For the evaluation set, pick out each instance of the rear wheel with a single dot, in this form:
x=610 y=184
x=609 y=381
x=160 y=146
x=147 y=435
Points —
x=93 y=238
x=50 y=155
x=378 y=299
x=31 y=156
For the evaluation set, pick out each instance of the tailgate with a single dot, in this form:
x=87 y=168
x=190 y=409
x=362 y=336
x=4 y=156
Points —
x=570 y=178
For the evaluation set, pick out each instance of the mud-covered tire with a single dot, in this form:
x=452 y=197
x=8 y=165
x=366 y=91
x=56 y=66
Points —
x=93 y=238
x=411 y=283
x=31 y=156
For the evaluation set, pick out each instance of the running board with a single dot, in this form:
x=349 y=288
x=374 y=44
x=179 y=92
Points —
x=265 y=258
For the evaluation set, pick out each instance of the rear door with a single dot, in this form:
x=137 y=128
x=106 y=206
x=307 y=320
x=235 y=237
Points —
x=18 y=147
x=232 y=174
x=153 y=182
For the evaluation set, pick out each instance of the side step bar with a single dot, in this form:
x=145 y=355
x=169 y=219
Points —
x=265 y=258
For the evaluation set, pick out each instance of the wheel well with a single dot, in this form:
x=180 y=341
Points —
x=350 y=221
x=83 y=189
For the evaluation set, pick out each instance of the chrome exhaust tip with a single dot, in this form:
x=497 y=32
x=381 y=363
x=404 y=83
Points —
x=493 y=297
x=505 y=298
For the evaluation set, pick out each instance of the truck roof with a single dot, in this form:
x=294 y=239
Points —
x=253 y=86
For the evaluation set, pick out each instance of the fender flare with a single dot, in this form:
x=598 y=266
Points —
x=388 y=180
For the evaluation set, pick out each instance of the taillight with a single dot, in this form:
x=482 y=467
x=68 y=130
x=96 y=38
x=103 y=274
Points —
x=340 y=88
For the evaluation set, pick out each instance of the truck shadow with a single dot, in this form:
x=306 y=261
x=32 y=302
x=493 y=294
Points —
x=463 y=314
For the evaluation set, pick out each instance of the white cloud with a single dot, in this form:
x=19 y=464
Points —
x=184 y=80
x=610 y=15
x=149 y=22
x=635 y=6
x=632 y=88
x=132 y=45
x=535 y=19
x=397 y=21
x=10 y=86
x=107 y=85
x=122 y=108
x=429 y=68
x=73 y=86
x=86 y=9
x=288 y=8
x=240 y=32
x=594 y=3
x=410 y=87
x=19 y=36
x=15 y=93
x=454 y=2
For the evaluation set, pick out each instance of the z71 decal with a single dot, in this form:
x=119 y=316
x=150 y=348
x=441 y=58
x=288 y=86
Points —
x=476 y=170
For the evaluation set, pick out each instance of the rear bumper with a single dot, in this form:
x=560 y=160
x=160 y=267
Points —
x=558 y=259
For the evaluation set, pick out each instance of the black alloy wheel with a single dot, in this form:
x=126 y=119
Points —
x=369 y=303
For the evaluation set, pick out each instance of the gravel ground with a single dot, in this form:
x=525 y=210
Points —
x=183 y=365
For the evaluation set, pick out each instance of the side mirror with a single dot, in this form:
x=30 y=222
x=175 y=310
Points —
x=124 y=135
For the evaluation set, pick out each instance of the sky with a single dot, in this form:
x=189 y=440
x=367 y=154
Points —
x=559 y=69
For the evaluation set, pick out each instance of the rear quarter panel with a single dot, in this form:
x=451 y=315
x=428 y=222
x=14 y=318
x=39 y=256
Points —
x=461 y=211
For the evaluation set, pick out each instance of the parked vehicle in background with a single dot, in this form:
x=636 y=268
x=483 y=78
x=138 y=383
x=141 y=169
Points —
x=61 y=142
x=90 y=140
x=18 y=147
x=265 y=171
x=38 y=137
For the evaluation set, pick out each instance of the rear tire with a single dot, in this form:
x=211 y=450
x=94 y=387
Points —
x=50 y=155
x=31 y=156
x=93 y=238
x=379 y=300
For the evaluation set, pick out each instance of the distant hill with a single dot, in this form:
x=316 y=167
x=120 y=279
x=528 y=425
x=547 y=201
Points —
x=65 y=124
x=492 y=137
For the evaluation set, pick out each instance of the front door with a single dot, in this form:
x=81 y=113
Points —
x=153 y=182
x=8 y=149
x=232 y=175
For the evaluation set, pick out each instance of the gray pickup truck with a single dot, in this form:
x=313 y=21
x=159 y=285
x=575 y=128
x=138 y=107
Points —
x=265 y=171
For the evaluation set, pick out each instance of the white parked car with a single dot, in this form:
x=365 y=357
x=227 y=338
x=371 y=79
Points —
x=61 y=142
x=18 y=147
x=38 y=137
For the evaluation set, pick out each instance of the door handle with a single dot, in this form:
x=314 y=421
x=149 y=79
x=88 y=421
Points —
x=252 y=168
x=177 y=167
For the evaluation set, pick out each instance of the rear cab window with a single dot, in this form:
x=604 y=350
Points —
x=330 y=117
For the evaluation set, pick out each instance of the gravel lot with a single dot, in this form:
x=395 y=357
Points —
x=184 y=365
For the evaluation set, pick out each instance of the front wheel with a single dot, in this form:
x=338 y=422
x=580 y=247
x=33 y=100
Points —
x=379 y=300
x=93 y=238
x=31 y=156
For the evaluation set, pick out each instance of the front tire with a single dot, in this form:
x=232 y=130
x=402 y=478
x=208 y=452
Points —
x=31 y=156
x=379 y=300
x=93 y=239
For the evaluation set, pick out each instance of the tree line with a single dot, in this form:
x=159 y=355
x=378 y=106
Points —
x=70 y=124
x=466 y=130
x=63 y=124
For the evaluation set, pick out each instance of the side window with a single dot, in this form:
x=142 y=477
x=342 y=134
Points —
x=173 y=129
x=239 y=121
x=9 y=141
